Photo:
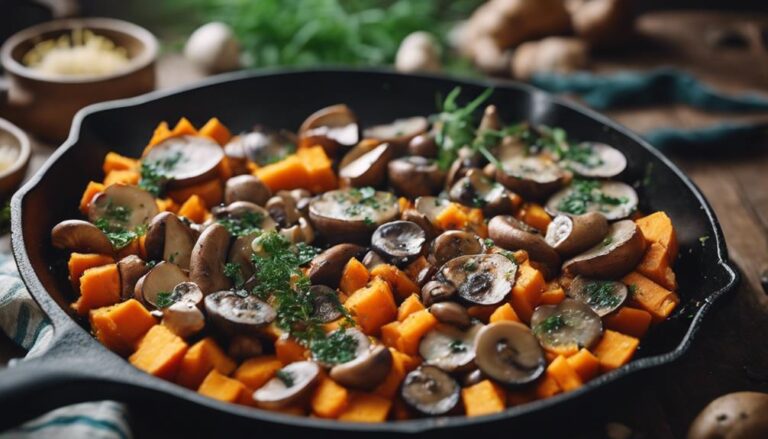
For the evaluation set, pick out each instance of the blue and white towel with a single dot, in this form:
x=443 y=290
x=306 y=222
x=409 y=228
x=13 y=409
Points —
x=23 y=321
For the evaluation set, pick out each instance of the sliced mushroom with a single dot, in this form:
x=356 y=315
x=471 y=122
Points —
x=233 y=313
x=419 y=218
x=431 y=207
x=400 y=132
x=400 y=242
x=369 y=169
x=186 y=160
x=262 y=146
x=414 y=176
x=333 y=128
x=302 y=197
x=490 y=120
x=430 y=391
x=508 y=353
x=123 y=206
x=183 y=317
x=351 y=215
x=455 y=243
x=206 y=266
x=325 y=303
x=246 y=211
x=615 y=256
x=301 y=232
x=282 y=208
x=613 y=199
x=362 y=346
x=80 y=236
x=473 y=377
x=567 y=325
x=243 y=347
x=437 y=290
x=476 y=190
x=467 y=160
x=169 y=239
x=603 y=296
x=327 y=267
x=291 y=384
x=366 y=371
x=423 y=145
x=512 y=234
x=162 y=278
x=240 y=253
x=372 y=259
x=246 y=188
x=131 y=268
x=596 y=160
x=533 y=177
x=481 y=279
x=449 y=348
x=451 y=313
x=570 y=235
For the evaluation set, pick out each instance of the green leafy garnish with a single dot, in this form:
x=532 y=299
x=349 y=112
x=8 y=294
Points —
x=550 y=325
x=632 y=290
x=154 y=175
x=249 y=223
x=599 y=294
x=457 y=127
x=458 y=346
x=285 y=376
x=306 y=253
x=119 y=236
x=233 y=272
x=584 y=193
x=488 y=242
x=703 y=239
x=470 y=265
x=338 y=347
x=164 y=299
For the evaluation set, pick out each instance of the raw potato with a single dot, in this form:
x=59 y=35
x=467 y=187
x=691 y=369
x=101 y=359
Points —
x=418 y=52
x=739 y=415
x=602 y=23
x=550 y=55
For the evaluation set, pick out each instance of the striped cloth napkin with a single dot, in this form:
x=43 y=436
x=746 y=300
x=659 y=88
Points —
x=23 y=321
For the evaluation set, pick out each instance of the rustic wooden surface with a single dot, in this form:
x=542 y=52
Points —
x=730 y=353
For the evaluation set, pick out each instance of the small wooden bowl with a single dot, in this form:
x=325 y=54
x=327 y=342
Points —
x=44 y=105
x=11 y=178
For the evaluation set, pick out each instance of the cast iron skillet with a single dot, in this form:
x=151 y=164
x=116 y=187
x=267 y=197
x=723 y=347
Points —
x=77 y=368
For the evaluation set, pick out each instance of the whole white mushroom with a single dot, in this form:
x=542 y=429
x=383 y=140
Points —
x=213 y=48
x=418 y=52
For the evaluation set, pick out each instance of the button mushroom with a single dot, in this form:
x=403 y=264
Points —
x=80 y=236
x=467 y=160
x=476 y=190
x=291 y=384
x=343 y=345
x=185 y=160
x=206 y=266
x=122 y=206
x=161 y=279
x=246 y=188
x=613 y=199
x=533 y=177
x=351 y=215
x=615 y=256
x=596 y=160
x=243 y=347
x=169 y=239
x=415 y=176
x=240 y=253
x=301 y=232
x=430 y=391
x=571 y=324
x=183 y=317
x=451 y=313
x=400 y=242
x=245 y=215
x=508 y=353
x=372 y=259
x=398 y=133
x=437 y=290
x=366 y=371
x=423 y=145
x=481 y=279
x=570 y=235
x=512 y=234
x=333 y=128
x=419 y=218
x=262 y=146
x=603 y=296
x=327 y=267
x=131 y=268
x=367 y=169
x=455 y=243
x=431 y=207
x=282 y=208
x=449 y=348
x=237 y=313
x=325 y=304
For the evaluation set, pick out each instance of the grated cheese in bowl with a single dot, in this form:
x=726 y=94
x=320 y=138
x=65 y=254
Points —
x=82 y=53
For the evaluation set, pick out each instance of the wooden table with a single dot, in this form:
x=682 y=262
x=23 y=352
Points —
x=729 y=353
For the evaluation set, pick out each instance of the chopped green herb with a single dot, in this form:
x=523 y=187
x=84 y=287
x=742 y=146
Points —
x=457 y=128
x=458 y=346
x=285 y=376
x=338 y=347
x=607 y=241
x=154 y=175
x=150 y=264
x=470 y=265
x=233 y=272
x=117 y=235
x=249 y=223
x=703 y=239
x=488 y=242
x=306 y=253
x=164 y=299
x=368 y=221
x=551 y=324
x=632 y=290
x=585 y=193
x=600 y=294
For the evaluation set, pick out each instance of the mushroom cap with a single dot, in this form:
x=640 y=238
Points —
x=162 y=278
x=260 y=145
x=481 y=279
x=368 y=169
x=327 y=267
x=603 y=296
x=130 y=268
x=451 y=313
x=399 y=132
x=570 y=235
x=234 y=314
x=415 y=176
x=533 y=177
x=430 y=391
x=80 y=236
x=597 y=160
x=423 y=145
x=351 y=215
x=332 y=127
x=431 y=207
x=437 y=290
x=123 y=206
x=454 y=243
x=567 y=324
x=292 y=383
x=509 y=353
x=246 y=188
x=169 y=239
x=206 y=266
x=400 y=242
x=325 y=303
x=615 y=256
x=512 y=234
x=366 y=371
x=614 y=199
x=186 y=160
x=476 y=190
x=449 y=348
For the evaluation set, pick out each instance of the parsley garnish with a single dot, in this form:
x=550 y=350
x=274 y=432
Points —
x=232 y=271
x=154 y=175
x=164 y=299
x=457 y=128
x=458 y=346
x=584 y=193
x=306 y=253
x=338 y=347
x=470 y=265
x=600 y=295
x=117 y=235
x=703 y=239
x=549 y=325
x=249 y=223
x=632 y=290
x=285 y=376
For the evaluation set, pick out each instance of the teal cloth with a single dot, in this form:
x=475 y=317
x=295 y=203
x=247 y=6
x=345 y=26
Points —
x=658 y=87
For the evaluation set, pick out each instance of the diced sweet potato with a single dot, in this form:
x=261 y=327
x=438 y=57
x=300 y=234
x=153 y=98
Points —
x=651 y=296
x=286 y=174
x=216 y=131
x=483 y=398
x=526 y=293
x=412 y=329
x=481 y=312
x=401 y=365
x=409 y=306
x=91 y=190
x=79 y=262
x=504 y=312
x=99 y=286
x=194 y=209
x=219 y=386
x=129 y=177
x=255 y=372
x=319 y=169
x=289 y=350
x=546 y=387
x=535 y=216
x=115 y=162
x=656 y=266
x=211 y=192
x=657 y=227
x=366 y=407
x=120 y=327
x=329 y=399
x=354 y=276
x=615 y=350
x=161 y=133
x=565 y=375
x=166 y=205
x=390 y=334
x=402 y=285
x=552 y=295
x=184 y=128
x=585 y=364
x=372 y=306
x=200 y=359
x=630 y=321
x=159 y=353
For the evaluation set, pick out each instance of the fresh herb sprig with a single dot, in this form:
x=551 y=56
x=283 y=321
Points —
x=338 y=347
x=600 y=294
x=164 y=299
x=154 y=175
x=457 y=127
x=234 y=273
